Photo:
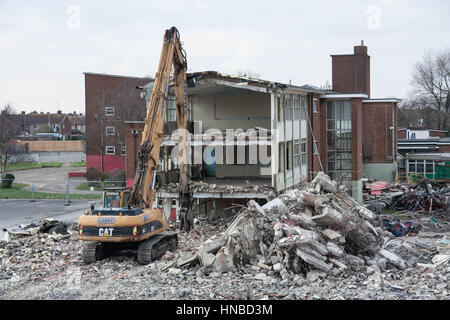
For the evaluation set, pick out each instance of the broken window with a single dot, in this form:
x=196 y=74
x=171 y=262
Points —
x=281 y=154
x=280 y=110
x=289 y=155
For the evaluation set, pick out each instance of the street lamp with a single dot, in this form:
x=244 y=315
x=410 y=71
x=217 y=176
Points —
x=48 y=113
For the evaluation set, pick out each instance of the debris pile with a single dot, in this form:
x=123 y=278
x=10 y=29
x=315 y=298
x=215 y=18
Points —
x=426 y=195
x=47 y=225
x=200 y=186
x=313 y=231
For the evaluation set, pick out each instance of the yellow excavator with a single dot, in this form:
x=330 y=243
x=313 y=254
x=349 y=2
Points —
x=127 y=220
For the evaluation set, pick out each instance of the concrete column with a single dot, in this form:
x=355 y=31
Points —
x=357 y=163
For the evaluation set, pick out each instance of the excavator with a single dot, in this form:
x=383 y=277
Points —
x=127 y=220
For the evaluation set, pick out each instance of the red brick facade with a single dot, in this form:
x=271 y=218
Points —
x=376 y=134
x=121 y=94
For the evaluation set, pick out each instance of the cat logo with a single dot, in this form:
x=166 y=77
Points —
x=105 y=232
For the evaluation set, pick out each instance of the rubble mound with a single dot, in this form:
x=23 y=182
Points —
x=314 y=230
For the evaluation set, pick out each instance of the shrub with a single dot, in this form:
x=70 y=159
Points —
x=92 y=174
x=7 y=180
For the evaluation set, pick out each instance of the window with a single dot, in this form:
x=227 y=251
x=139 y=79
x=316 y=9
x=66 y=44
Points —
x=315 y=106
x=289 y=155
x=123 y=151
x=109 y=111
x=339 y=140
x=280 y=109
x=303 y=149
x=296 y=107
x=171 y=110
x=112 y=201
x=288 y=107
x=281 y=156
x=429 y=167
x=297 y=153
x=110 y=150
x=412 y=166
x=110 y=131
x=303 y=107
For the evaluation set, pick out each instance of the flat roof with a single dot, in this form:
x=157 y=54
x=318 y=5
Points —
x=115 y=75
x=393 y=100
x=343 y=95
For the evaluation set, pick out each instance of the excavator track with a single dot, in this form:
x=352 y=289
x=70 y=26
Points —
x=91 y=252
x=155 y=247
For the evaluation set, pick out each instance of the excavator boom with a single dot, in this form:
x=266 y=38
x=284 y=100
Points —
x=173 y=58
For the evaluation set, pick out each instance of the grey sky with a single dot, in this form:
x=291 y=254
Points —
x=45 y=48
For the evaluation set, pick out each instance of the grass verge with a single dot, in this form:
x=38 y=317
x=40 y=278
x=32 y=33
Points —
x=16 y=166
x=78 y=164
x=85 y=187
x=16 y=192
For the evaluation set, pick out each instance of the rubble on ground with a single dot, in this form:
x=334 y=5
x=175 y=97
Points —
x=313 y=231
x=426 y=195
x=47 y=225
x=314 y=242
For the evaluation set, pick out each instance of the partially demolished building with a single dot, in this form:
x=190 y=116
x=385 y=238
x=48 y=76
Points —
x=251 y=138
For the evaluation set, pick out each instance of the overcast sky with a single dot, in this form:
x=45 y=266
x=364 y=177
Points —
x=45 y=46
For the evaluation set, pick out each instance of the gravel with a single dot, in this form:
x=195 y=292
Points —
x=50 y=267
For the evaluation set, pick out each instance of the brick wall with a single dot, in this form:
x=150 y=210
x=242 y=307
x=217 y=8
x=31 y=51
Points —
x=377 y=135
x=351 y=72
x=132 y=143
x=121 y=93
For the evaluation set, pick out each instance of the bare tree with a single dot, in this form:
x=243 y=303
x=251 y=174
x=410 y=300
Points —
x=431 y=81
x=6 y=137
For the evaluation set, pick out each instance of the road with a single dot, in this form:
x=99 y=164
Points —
x=51 y=179
x=17 y=212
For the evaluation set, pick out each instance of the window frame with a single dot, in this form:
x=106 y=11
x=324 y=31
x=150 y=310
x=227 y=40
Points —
x=110 y=153
x=109 y=114
x=113 y=130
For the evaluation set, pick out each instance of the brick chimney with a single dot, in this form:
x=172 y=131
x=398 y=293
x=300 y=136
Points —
x=351 y=72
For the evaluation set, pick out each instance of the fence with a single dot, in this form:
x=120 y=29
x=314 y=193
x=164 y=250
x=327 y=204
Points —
x=52 y=146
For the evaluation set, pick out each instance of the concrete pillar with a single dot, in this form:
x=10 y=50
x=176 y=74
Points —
x=167 y=208
x=357 y=163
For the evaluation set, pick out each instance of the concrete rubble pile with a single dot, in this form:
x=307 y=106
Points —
x=47 y=225
x=313 y=231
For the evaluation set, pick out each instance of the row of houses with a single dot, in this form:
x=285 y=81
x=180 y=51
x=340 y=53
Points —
x=42 y=125
x=299 y=130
